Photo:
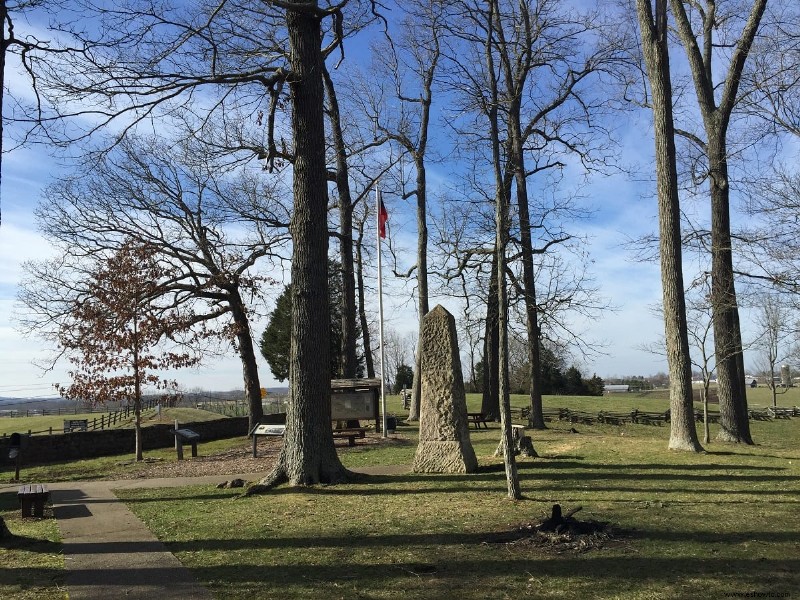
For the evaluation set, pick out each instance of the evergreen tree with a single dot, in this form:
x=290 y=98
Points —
x=274 y=343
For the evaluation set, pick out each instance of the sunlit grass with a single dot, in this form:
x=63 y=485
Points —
x=696 y=525
x=31 y=562
x=9 y=425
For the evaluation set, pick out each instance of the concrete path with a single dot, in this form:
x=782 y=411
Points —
x=110 y=553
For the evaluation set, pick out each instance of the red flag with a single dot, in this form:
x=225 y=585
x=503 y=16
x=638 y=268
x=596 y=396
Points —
x=383 y=216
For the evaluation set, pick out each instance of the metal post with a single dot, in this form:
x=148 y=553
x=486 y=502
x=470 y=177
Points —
x=380 y=314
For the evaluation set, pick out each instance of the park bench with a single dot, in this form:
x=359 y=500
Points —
x=32 y=498
x=350 y=433
x=478 y=418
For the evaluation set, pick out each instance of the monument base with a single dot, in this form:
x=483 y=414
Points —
x=449 y=456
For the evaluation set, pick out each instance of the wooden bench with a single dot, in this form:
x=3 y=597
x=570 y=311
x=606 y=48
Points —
x=351 y=433
x=32 y=498
x=477 y=419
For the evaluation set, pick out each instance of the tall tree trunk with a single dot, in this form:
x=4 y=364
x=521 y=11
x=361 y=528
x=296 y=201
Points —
x=734 y=425
x=517 y=157
x=247 y=354
x=422 y=260
x=348 y=361
x=716 y=102
x=308 y=455
x=137 y=396
x=653 y=28
x=490 y=400
x=501 y=240
x=362 y=311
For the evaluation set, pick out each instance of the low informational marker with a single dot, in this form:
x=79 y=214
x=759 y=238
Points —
x=265 y=430
x=71 y=425
x=185 y=436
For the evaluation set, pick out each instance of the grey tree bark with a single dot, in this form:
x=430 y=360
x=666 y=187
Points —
x=734 y=423
x=362 y=311
x=348 y=361
x=490 y=400
x=502 y=235
x=411 y=132
x=653 y=29
x=308 y=455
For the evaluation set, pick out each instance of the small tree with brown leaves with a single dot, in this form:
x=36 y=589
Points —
x=115 y=332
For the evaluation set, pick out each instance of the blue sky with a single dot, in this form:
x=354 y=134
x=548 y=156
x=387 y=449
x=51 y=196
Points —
x=621 y=211
x=623 y=208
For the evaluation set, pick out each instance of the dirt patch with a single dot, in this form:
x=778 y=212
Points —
x=237 y=460
x=559 y=534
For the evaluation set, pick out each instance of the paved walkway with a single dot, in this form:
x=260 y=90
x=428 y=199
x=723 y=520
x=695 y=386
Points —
x=110 y=553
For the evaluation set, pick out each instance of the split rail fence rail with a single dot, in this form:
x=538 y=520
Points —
x=106 y=420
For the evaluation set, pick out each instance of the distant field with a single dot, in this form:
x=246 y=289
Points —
x=9 y=425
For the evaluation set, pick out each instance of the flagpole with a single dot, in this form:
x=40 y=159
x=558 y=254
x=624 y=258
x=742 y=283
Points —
x=380 y=308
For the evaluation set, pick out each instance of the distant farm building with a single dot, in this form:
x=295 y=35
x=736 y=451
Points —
x=616 y=389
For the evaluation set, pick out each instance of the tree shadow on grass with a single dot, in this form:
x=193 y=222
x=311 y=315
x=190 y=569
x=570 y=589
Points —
x=748 y=455
x=441 y=575
x=270 y=541
x=556 y=472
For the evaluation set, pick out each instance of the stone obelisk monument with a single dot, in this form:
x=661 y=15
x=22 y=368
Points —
x=444 y=444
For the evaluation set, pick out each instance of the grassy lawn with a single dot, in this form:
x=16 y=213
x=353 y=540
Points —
x=694 y=526
x=32 y=566
x=688 y=526
x=9 y=425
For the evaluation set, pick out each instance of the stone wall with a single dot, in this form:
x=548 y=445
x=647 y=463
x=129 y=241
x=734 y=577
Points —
x=89 y=444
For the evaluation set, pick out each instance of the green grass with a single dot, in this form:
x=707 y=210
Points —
x=32 y=566
x=9 y=425
x=121 y=466
x=697 y=526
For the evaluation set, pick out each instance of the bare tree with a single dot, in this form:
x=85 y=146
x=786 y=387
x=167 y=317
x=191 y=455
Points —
x=11 y=43
x=653 y=30
x=402 y=114
x=154 y=62
x=399 y=350
x=501 y=243
x=775 y=327
x=697 y=30
x=700 y=331
x=534 y=41
x=174 y=199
